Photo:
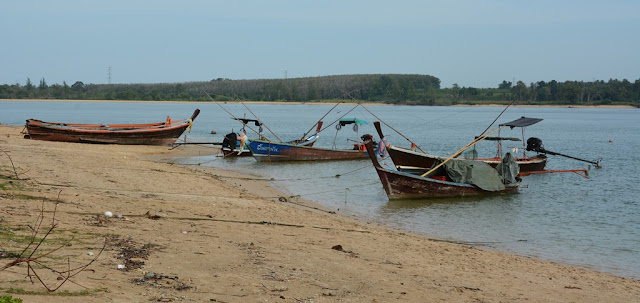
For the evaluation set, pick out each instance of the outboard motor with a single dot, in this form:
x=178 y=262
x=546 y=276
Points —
x=535 y=144
x=230 y=140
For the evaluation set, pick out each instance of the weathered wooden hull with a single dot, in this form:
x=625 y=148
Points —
x=402 y=185
x=131 y=134
x=266 y=151
x=405 y=158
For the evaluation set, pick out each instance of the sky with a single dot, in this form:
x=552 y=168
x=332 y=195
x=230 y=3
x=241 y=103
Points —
x=472 y=43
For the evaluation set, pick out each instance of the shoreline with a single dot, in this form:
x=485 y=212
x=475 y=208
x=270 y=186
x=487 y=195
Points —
x=215 y=233
x=313 y=103
x=262 y=186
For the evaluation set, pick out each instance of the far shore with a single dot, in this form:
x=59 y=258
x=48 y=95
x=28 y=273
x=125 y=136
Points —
x=299 y=103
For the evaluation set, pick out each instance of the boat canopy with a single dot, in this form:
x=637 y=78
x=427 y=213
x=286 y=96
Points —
x=247 y=120
x=500 y=138
x=345 y=121
x=522 y=122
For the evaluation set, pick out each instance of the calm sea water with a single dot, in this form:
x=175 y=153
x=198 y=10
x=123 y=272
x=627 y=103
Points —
x=592 y=223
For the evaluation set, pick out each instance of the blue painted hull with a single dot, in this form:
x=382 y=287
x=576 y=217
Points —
x=266 y=151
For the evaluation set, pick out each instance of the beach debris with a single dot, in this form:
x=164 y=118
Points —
x=133 y=255
x=108 y=214
x=339 y=248
x=463 y=288
x=162 y=281
x=100 y=220
x=152 y=217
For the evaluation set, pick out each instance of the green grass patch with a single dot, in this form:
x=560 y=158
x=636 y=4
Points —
x=21 y=196
x=10 y=299
x=59 y=293
x=9 y=184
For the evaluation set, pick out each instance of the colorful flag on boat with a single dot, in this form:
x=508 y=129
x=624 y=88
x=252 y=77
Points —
x=243 y=140
x=382 y=148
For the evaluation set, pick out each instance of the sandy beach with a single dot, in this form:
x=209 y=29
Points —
x=195 y=234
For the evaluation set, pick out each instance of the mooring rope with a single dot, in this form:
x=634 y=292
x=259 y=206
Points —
x=263 y=123
x=310 y=129
x=232 y=115
x=332 y=123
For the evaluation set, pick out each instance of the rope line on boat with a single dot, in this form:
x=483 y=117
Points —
x=310 y=129
x=232 y=115
x=332 y=123
x=273 y=179
x=336 y=191
x=218 y=220
x=391 y=127
x=496 y=119
x=263 y=123
x=427 y=122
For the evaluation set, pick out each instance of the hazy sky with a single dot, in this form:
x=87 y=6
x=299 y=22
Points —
x=477 y=43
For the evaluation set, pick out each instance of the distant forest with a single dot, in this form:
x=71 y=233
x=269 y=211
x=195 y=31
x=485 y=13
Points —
x=383 y=88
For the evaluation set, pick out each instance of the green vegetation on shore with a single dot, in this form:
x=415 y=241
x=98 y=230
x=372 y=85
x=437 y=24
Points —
x=383 y=88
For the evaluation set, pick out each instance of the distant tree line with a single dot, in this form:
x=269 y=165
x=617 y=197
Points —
x=384 y=88
x=553 y=92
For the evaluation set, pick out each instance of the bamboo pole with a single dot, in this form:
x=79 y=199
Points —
x=474 y=142
x=458 y=153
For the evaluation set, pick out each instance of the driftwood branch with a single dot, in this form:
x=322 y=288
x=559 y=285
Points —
x=12 y=165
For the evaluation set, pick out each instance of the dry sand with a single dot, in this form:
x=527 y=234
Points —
x=199 y=235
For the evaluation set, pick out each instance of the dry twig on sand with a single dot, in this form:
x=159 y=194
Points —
x=12 y=165
x=34 y=258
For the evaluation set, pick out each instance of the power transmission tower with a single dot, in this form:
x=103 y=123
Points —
x=109 y=73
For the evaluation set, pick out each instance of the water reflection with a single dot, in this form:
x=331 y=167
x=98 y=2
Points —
x=403 y=204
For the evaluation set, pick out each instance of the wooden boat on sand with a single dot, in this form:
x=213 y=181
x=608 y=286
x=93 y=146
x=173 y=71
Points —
x=160 y=133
